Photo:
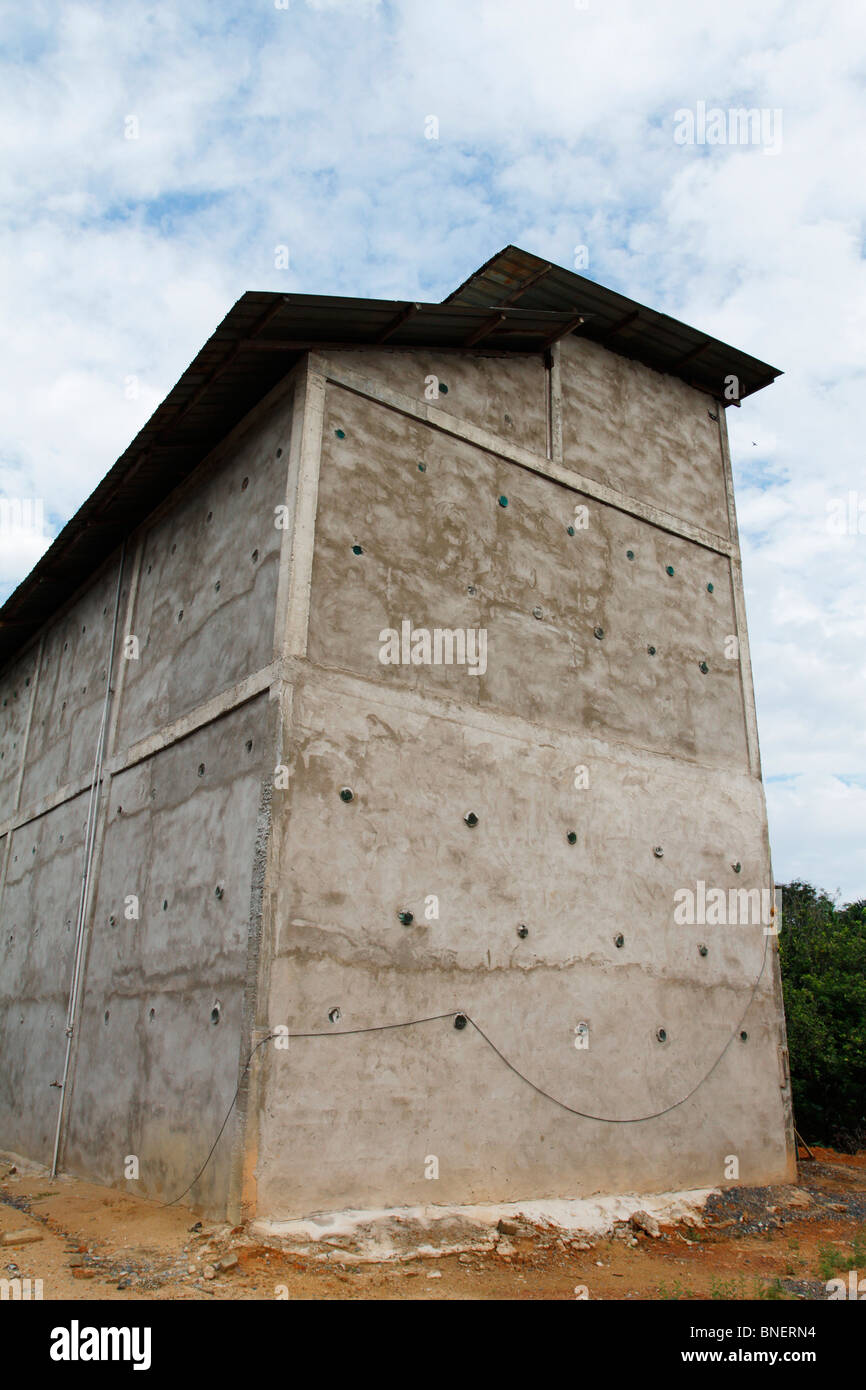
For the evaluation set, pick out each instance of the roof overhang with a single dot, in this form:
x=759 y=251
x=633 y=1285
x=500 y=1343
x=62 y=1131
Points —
x=515 y=303
x=513 y=276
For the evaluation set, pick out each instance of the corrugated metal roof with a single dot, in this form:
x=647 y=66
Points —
x=513 y=276
x=263 y=336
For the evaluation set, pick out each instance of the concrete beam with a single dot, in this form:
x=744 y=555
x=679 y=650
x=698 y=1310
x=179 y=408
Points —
x=205 y=713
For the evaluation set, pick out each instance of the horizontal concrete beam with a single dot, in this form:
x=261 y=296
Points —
x=206 y=713
x=437 y=705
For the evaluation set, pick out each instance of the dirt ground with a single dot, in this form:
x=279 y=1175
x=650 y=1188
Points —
x=782 y=1242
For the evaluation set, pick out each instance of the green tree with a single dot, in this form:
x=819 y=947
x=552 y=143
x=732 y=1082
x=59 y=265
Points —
x=822 y=951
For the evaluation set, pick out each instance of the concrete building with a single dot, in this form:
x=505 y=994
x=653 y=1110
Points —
x=245 y=794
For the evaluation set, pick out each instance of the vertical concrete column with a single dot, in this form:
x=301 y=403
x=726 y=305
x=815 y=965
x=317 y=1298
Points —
x=745 y=660
x=553 y=364
x=291 y=624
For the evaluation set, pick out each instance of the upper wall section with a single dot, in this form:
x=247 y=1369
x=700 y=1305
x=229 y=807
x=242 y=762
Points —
x=204 y=610
x=204 y=576
x=648 y=435
x=70 y=689
x=505 y=393
x=569 y=619
x=15 y=701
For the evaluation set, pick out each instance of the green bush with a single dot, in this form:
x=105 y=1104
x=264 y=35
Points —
x=822 y=951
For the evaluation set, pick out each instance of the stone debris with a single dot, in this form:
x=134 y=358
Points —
x=26 y=1236
x=642 y=1221
x=508 y=1228
x=799 y=1199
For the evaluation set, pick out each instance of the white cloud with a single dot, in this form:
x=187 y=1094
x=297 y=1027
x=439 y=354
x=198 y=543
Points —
x=305 y=126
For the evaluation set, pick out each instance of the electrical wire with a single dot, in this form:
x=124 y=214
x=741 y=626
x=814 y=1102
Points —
x=175 y=1200
x=461 y=1013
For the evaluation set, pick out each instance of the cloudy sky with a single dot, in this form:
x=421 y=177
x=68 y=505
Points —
x=155 y=155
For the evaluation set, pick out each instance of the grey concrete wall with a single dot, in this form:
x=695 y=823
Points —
x=188 y=763
x=350 y=1121
x=499 y=392
x=39 y=906
x=15 y=708
x=644 y=433
x=277 y=902
x=429 y=537
x=154 y=1075
x=70 y=690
